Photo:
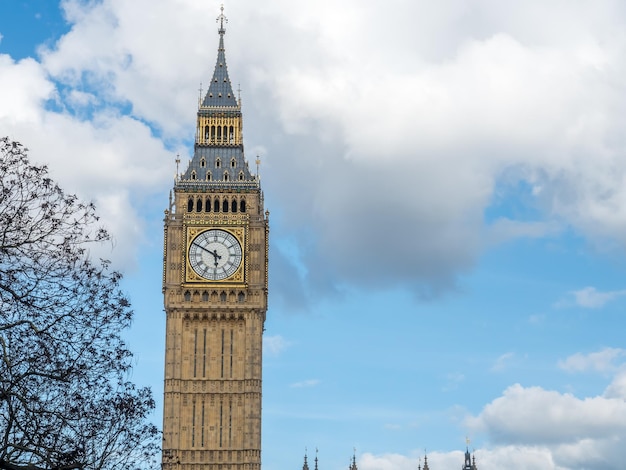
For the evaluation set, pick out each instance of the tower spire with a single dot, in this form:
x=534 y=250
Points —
x=222 y=19
x=353 y=462
x=220 y=91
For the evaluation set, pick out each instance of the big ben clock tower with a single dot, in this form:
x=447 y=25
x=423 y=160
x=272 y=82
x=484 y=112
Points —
x=215 y=294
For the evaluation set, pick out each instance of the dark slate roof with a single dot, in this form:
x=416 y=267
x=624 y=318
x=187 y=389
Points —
x=220 y=92
x=231 y=160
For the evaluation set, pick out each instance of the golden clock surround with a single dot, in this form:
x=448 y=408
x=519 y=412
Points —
x=238 y=278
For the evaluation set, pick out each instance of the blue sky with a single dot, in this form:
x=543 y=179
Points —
x=447 y=198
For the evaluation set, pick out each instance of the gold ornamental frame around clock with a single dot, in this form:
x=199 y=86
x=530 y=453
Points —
x=238 y=277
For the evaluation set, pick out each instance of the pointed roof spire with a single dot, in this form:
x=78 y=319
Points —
x=426 y=462
x=470 y=460
x=306 y=464
x=222 y=19
x=316 y=458
x=353 y=461
x=220 y=92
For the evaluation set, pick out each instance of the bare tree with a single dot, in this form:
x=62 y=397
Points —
x=65 y=398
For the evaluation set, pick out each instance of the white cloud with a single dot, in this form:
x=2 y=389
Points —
x=503 y=362
x=617 y=388
x=275 y=345
x=536 y=416
x=418 y=129
x=509 y=457
x=600 y=361
x=305 y=383
x=559 y=429
x=24 y=89
x=590 y=297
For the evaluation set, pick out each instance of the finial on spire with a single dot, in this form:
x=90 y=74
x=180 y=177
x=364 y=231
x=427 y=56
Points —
x=353 y=461
x=221 y=20
x=177 y=163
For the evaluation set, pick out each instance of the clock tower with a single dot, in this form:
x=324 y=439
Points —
x=215 y=294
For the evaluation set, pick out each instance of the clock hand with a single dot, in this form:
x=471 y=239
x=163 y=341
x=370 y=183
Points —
x=216 y=256
x=202 y=248
x=214 y=252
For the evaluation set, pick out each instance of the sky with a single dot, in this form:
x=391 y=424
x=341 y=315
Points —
x=447 y=197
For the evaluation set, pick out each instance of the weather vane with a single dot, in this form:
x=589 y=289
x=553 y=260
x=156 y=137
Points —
x=221 y=18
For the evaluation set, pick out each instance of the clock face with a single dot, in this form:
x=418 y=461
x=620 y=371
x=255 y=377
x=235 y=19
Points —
x=215 y=254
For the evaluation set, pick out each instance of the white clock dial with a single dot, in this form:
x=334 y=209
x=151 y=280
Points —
x=215 y=254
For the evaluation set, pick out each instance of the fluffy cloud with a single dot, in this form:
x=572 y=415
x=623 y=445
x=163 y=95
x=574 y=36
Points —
x=509 y=457
x=387 y=137
x=421 y=137
x=590 y=297
x=600 y=361
x=275 y=345
x=531 y=427
x=558 y=429
x=503 y=362
x=532 y=415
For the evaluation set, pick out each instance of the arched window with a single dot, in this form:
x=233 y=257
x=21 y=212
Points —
x=225 y=176
x=212 y=133
x=225 y=206
x=231 y=135
x=202 y=162
x=223 y=296
x=193 y=175
x=207 y=205
x=218 y=163
x=219 y=133
x=187 y=296
x=206 y=133
x=233 y=162
x=225 y=133
x=216 y=205
x=241 y=297
x=233 y=206
x=199 y=205
x=205 y=296
x=241 y=176
x=190 y=205
x=242 y=205
x=208 y=176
